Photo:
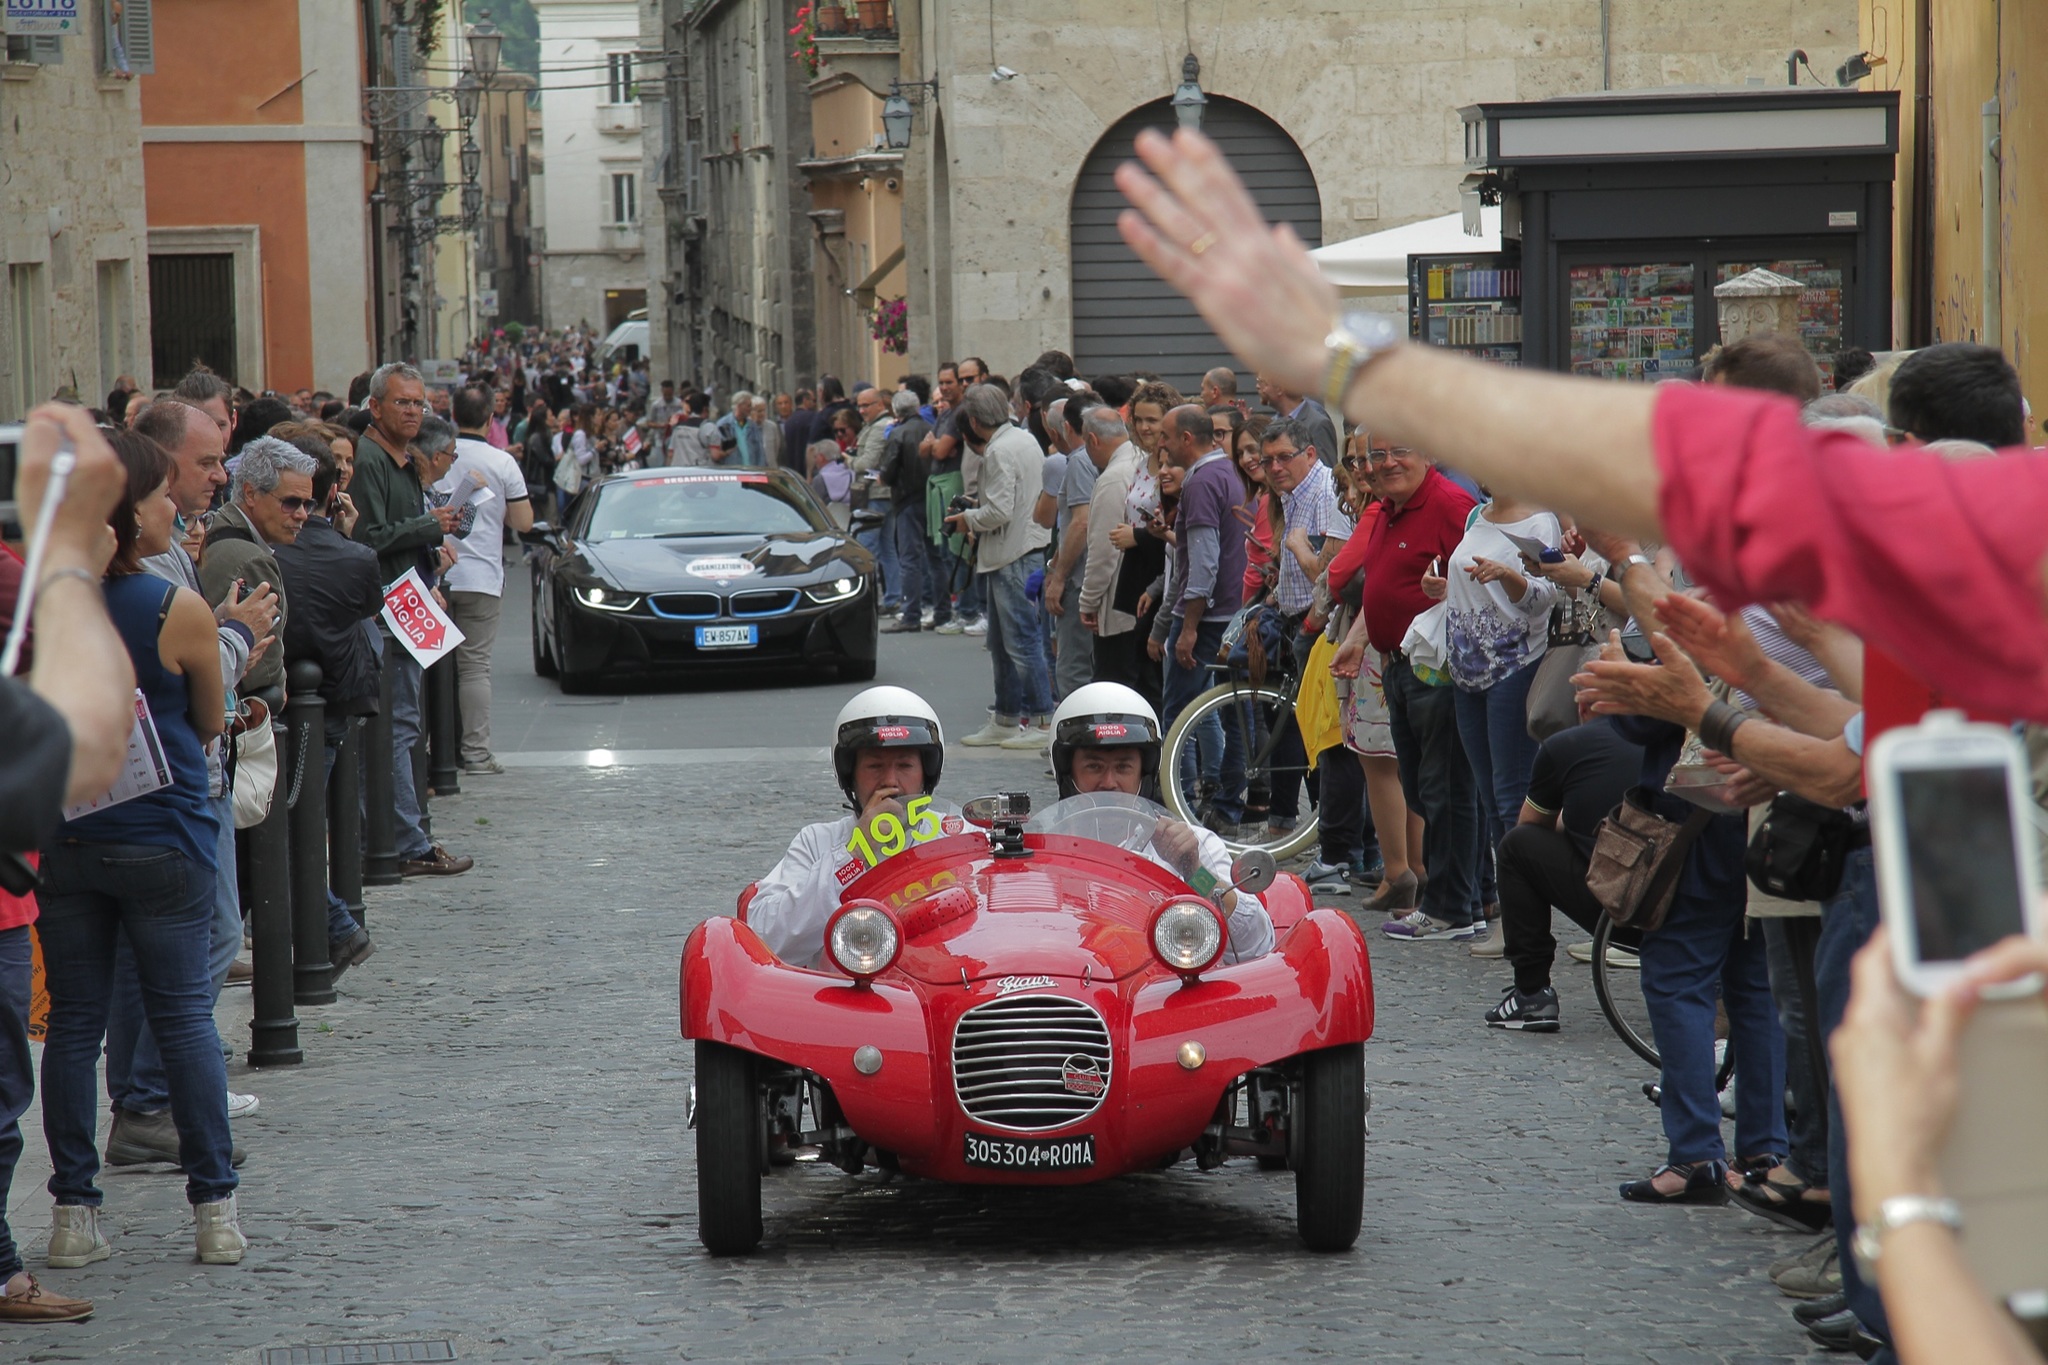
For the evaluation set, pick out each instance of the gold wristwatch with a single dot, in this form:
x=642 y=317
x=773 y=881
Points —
x=1352 y=343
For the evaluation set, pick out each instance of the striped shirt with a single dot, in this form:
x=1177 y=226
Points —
x=1311 y=507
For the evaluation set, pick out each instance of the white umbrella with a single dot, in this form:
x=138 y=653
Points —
x=1378 y=263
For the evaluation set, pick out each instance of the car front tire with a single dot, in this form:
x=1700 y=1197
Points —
x=1329 y=1168
x=543 y=661
x=731 y=1136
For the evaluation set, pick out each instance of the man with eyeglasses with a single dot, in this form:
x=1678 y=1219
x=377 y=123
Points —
x=1316 y=528
x=268 y=502
x=392 y=519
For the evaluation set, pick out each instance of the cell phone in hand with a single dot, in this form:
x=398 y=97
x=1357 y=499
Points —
x=1957 y=864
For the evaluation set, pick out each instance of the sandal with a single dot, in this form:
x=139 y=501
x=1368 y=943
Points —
x=1784 y=1202
x=1705 y=1183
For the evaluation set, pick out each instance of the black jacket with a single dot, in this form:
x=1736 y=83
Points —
x=903 y=470
x=334 y=587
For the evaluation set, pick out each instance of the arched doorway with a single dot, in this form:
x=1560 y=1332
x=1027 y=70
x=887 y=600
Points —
x=1127 y=318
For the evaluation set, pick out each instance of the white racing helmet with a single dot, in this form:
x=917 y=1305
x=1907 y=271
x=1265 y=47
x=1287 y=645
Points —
x=1105 y=715
x=887 y=718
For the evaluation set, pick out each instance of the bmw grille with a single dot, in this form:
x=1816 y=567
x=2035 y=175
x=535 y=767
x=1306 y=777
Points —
x=1031 y=1062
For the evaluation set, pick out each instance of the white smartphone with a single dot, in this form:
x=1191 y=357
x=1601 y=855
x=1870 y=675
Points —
x=1957 y=866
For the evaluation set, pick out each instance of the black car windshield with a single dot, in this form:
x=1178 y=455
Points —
x=658 y=505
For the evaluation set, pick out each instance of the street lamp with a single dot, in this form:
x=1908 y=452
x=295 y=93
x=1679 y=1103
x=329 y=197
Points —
x=472 y=160
x=485 y=43
x=1188 y=100
x=896 y=116
x=435 y=139
x=468 y=94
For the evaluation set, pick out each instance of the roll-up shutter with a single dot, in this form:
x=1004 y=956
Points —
x=1127 y=318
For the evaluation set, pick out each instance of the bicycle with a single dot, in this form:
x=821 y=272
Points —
x=1249 y=717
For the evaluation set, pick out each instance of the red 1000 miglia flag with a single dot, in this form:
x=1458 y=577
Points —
x=418 y=621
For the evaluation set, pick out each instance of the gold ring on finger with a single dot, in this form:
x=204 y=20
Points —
x=1202 y=243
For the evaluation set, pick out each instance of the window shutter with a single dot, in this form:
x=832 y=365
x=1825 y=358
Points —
x=46 y=49
x=138 y=26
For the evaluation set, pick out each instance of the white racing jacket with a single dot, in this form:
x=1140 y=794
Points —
x=800 y=893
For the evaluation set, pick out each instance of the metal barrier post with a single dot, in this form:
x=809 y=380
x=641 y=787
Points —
x=345 y=820
x=444 y=724
x=274 y=1031
x=305 y=716
x=380 y=852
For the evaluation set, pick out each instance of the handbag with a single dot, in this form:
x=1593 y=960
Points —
x=1427 y=645
x=1637 y=856
x=1574 y=621
x=1553 y=703
x=568 y=474
x=253 y=772
x=1800 y=848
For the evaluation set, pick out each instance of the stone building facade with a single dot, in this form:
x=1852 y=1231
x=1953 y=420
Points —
x=74 y=312
x=594 y=264
x=1367 y=93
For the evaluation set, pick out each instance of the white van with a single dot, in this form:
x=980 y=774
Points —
x=627 y=342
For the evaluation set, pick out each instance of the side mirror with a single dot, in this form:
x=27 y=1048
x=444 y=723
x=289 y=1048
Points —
x=1253 y=871
x=985 y=812
x=541 y=533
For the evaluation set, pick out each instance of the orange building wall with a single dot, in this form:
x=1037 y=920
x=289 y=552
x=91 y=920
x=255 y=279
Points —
x=230 y=62
x=207 y=184
x=217 y=61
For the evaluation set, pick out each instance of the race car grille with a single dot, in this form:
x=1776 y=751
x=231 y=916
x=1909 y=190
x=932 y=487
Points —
x=685 y=606
x=1031 y=1062
x=763 y=602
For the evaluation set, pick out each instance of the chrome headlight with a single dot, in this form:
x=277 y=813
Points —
x=838 y=589
x=606 y=599
x=862 y=939
x=1187 y=936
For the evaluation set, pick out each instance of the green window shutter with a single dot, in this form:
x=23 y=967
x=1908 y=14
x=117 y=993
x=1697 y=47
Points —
x=138 y=26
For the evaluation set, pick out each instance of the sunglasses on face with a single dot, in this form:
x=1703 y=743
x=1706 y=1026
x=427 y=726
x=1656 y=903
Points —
x=291 y=505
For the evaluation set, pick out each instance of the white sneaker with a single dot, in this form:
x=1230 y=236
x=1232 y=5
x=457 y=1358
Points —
x=1623 y=958
x=219 y=1232
x=1494 y=944
x=75 y=1238
x=1030 y=737
x=954 y=626
x=978 y=626
x=925 y=618
x=996 y=732
x=241 y=1106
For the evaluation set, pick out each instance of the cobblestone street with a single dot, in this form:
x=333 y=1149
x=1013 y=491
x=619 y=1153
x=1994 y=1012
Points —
x=486 y=1143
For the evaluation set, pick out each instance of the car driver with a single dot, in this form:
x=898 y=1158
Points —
x=1105 y=738
x=887 y=749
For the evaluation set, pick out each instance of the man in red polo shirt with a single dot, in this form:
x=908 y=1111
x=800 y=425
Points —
x=1421 y=523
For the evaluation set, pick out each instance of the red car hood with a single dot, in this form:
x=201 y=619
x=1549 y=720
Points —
x=1073 y=909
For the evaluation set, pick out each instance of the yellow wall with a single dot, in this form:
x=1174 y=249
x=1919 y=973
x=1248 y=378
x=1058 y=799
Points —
x=845 y=119
x=1978 y=48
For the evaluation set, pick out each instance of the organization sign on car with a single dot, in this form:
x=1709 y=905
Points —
x=26 y=17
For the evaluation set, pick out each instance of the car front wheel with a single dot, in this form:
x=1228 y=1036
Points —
x=731 y=1137
x=543 y=661
x=1329 y=1166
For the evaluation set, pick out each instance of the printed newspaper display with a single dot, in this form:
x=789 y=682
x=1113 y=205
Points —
x=143 y=771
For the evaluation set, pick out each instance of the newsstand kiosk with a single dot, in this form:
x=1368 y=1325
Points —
x=1621 y=213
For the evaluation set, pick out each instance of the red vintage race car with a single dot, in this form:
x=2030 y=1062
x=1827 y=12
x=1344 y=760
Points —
x=1033 y=1004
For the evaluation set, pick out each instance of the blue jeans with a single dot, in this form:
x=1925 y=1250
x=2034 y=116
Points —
x=405 y=733
x=1704 y=943
x=135 y=1071
x=341 y=925
x=1846 y=924
x=914 y=565
x=1437 y=780
x=1016 y=641
x=885 y=550
x=162 y=901
x=1210 y=758
x=1809 y=1149
x=17 y=1076
x=1493 y=725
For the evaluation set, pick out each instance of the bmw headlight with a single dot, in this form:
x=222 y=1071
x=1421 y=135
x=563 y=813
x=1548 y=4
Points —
x=607 y=599
x=838 y=589
x=1187 y=936
x=862 y=939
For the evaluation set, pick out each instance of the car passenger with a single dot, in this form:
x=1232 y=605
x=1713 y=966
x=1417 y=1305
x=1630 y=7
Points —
x=1105 y=738
x=887 y=749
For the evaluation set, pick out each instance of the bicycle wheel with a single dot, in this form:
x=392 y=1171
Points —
x=1619 y=991
x=1249 y=719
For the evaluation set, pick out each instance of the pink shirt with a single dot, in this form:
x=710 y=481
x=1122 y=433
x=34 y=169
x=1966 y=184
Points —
x=1936 y=562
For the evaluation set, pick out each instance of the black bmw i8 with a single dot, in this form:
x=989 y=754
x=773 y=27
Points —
x=673 y=571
